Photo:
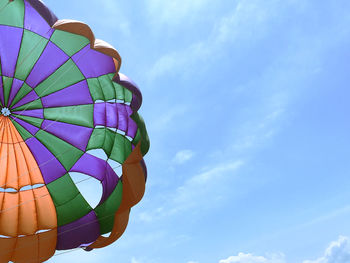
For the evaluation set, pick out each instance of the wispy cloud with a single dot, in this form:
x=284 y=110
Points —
x=246 y=22
x=183 y=156
x=196 y=187
x=194 y=191
x=326 y=217
x=250 y=258
x=167 y=119
x=254 y=133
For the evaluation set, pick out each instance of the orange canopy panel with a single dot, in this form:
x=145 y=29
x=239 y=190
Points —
x=24 y=213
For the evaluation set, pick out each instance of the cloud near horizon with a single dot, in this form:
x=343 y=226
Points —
x=337 y=252
x=250 y=258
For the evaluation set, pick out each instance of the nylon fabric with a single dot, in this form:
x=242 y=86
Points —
x=61 y=98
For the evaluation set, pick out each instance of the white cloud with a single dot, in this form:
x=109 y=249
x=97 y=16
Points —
x=197 y=187
x=134 y=260
x=183 y=156
x=337 y=252
x=212 y=173
x=250 y=258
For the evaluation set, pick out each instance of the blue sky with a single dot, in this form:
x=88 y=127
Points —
x=246 y=103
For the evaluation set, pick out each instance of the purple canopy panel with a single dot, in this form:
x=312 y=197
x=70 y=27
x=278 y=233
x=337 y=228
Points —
x=130 y=85
x=122 y=117
x=1 y=92
x=111 y=178
x=100 y=114
x=38 y=113
x=102 y=65
x=132 y=126
x=112 y=113
x=76 y=135
x=50 y=60
x=42 y=9
x=77 y=94
x=31 y=96
x=10 y=41
x=99 y=169
x=50 y=167
x=30 y=128
x=16 y=85
x=34 y=22
x=118 y=117
x=84 y=230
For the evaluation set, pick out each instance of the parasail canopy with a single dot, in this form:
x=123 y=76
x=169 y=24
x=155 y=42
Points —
x=65 y=109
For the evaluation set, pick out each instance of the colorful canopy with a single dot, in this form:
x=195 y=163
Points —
x=62 y=99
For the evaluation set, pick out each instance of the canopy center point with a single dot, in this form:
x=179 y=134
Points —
x=6 y=112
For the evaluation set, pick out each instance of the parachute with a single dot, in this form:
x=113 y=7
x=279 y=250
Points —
x=65 y=109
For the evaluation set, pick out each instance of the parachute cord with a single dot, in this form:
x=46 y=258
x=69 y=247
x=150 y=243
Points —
x=67 y=252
